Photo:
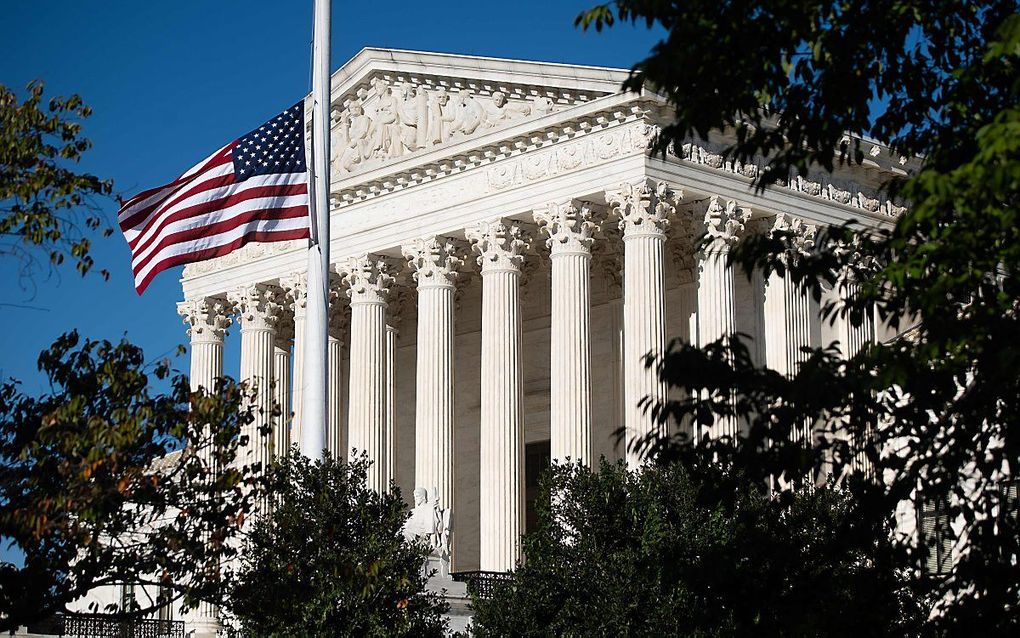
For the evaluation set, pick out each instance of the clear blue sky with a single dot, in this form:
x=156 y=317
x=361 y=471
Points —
x=169 y=82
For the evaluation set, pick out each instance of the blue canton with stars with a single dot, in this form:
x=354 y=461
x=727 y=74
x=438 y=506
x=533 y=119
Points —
x=278 y=146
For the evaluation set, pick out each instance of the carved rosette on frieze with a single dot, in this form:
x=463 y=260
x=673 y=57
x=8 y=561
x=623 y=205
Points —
x=570 y=227
x=207 y=318
x=368 y=278
x=500 y=245
x=724 y=224
x=258 y=305
x=434 y=261
x=644 y=208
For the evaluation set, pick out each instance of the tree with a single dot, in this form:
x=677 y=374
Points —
x=108 y=480
x=46 y=206
x=799 y=83
x=680 y=550
x=330 y=559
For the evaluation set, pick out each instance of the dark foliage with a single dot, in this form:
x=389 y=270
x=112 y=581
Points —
x=46 y=206
x=106 y=480
x=934 y=412
x=330 y=559
x=692 y=551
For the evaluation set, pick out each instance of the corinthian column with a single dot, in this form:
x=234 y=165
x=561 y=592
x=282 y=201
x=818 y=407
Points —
x=792 y=321
x=259 y=312
x=281 y=392
x=295 y=290
x=499 y=245
x=569 y=227
x=336 y=430
x=368 y=281
x=207 y=321
x=716 y=310
x=434 y=262
x=644 y=210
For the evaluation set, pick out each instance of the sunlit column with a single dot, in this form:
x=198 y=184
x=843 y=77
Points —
x=434 y=262
x=258 y=309
x=644 y=210
x=499 y=245
x=207 y=321
x=717 y=317
x=569 y=227
x=368 y=281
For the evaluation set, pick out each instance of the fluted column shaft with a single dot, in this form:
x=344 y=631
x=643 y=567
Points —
x=259 y=312
x=336 y=439
x=434 y=409
x=791 y=323
x=499 y=245
x=645 y=210
x=368 y=289
x=570 y=229
x=852 y=339
x=207 y=321
x=717 y=317
x=391 y=405
x=644 y=329
x=281 y=390
x=434 y=261
x=295 y=287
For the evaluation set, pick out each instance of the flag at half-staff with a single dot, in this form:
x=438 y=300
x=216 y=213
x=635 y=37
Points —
x=254 y=189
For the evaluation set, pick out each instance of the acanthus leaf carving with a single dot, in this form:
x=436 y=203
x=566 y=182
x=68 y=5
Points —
x=500 y=245
x=724 y=224
x=434 y=260
x=570 y=227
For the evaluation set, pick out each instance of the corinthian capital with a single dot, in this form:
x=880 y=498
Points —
x=569 y=226
x=295 y=291
x=207 y=318
x=644 y=208
x=368 y=278
x=802 y=235
x=434 y=261
x=500 y=245
x=258 y=306
x=724 y=224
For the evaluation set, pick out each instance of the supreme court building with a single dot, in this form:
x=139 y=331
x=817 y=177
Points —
x=506 y=249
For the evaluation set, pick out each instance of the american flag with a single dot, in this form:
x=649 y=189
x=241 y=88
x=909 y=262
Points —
x=254 y=189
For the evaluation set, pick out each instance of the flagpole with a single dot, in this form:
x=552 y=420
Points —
x=314 y=378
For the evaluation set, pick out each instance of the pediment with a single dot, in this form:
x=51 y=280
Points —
x=389 y=105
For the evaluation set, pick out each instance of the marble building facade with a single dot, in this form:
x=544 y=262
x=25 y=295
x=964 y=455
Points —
x=506 y=249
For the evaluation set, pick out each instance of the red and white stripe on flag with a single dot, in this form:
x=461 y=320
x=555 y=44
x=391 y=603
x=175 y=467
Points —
x=254 y=189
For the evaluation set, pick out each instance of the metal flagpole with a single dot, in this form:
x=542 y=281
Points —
x=313 y=409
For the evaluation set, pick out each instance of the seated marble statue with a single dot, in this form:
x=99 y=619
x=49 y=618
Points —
x=431 y=522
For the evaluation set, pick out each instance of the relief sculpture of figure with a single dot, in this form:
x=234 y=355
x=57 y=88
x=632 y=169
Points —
x=543 y=105
x=502 y=110
x=470 y=114
x=385 y=125
x=354 y=141
x=441 y=116
x=413 y=112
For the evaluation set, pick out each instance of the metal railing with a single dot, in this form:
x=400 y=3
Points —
x=100 y=626
x=482 y=584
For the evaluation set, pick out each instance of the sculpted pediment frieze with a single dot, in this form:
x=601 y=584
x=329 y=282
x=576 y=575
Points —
x=391 y=117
